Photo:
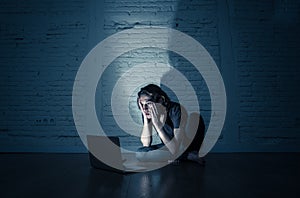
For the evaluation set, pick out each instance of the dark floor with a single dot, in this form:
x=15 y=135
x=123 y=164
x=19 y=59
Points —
x=225 y=175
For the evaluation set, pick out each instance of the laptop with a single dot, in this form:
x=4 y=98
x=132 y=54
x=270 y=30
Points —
x=101 y=147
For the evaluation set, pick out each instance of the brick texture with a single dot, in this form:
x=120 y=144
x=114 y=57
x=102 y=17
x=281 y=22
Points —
x=254 y=43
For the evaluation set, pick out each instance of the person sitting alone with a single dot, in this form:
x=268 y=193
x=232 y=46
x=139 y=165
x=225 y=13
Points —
x=169 y=119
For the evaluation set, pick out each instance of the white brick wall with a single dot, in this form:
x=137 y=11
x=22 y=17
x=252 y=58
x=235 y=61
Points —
x=254 y=43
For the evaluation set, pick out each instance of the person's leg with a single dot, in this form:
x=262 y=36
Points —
x=191 y=153
x=153 y=153
x=199 y=136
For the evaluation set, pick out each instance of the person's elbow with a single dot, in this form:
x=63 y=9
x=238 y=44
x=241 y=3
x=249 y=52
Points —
x=173 y=147
x=146 y=141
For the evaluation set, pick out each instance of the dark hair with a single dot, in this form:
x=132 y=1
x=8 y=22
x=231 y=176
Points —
x=155 y=93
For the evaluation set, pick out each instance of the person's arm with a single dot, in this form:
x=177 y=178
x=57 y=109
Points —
x=146 y=134
x=159 y=115
x=170 y=144
x=178 y=136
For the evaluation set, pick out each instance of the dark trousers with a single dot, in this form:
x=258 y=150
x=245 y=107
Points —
x=199 y=136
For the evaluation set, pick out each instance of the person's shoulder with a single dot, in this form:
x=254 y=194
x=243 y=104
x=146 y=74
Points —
x=174 y=104
x=177 y=107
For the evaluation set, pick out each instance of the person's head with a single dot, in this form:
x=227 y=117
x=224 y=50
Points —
x=152 y=93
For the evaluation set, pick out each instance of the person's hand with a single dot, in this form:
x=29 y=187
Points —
x=158 y=114
x=141 y=108
x=145 y=116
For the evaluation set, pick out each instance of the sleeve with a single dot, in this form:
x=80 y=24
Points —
x=175 y=115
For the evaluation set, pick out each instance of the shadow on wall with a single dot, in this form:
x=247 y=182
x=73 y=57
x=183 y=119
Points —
x=265 y=57
x=197 y=20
